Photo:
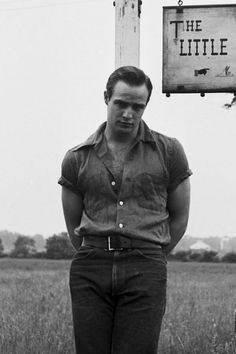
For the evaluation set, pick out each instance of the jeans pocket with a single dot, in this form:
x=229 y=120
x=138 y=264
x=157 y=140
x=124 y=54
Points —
x=153 y=254
x=84 y=252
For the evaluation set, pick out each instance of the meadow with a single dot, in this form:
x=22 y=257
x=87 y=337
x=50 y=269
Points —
x=35 y=314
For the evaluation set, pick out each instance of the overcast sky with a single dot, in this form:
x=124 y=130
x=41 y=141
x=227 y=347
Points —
x=55 y=57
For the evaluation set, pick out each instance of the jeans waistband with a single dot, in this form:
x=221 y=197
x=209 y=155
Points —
x=117 y=242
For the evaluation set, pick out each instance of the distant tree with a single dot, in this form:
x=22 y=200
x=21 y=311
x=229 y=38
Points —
x=195 y=256
x=40 y=254
x=229 y=257
x=1 y=248
x=24 y=247
x=182 y=256
x=209 y=256
x=59 y=246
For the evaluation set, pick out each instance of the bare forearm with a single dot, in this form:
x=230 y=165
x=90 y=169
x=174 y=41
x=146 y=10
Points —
x=72 y=208
x=177 y=230
x=74 y=239
x=178 y=208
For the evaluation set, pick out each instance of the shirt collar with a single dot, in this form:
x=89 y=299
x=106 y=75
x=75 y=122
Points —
x=94 y=139
x=144 y=134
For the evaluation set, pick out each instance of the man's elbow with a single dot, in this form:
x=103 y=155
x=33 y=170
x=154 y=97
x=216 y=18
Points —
x=180 y=222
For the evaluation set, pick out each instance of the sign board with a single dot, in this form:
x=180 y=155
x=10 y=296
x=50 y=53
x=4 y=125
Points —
x=199 y=49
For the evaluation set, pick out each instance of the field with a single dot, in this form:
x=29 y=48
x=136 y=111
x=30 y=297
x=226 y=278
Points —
x=35 y=316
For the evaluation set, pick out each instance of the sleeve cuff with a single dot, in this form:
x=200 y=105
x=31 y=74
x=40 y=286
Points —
x=180 y=179
x=65 y=183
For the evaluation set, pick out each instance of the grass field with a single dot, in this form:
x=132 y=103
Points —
x=35 y=315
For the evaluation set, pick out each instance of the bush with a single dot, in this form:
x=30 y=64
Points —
x=24 y=247
x=41 y=254
x=182 y=256
x=189 y=256
x=59 y=247
x=229 y=257
x=195 y=257
x=210 y=256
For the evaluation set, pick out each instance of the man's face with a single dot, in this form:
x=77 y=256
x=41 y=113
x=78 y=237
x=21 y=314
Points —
x=125 y=108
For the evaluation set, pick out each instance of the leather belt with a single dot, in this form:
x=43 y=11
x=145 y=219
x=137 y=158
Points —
x=117 y=242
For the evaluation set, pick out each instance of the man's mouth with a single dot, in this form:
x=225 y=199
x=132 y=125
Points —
x=126 y=124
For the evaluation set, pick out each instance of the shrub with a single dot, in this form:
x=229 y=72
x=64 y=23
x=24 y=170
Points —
x=182 y=256
x=229 y=257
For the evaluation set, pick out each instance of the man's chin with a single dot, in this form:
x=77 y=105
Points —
x=125 y=127
x=125 y=131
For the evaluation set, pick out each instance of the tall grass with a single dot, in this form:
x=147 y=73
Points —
x=35 y=308
x=35 y=313
x=200 y=309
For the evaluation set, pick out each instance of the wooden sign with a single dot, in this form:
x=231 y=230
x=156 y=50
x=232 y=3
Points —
x=199 y=49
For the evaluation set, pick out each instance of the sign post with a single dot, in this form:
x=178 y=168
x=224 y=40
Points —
x=199 y=49
x=127 y=32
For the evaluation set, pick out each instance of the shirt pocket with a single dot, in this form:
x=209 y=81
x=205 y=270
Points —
x=150 y=191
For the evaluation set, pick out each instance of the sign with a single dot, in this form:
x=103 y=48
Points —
x=199 y=49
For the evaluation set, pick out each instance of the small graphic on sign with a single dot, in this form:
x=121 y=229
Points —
x=226 y=72
x=201 y=71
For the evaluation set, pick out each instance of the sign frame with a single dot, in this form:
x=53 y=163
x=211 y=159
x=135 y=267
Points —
x=200 y=56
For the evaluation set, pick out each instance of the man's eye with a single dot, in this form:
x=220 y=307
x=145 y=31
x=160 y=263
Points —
x=122 y=104
x=137 y=107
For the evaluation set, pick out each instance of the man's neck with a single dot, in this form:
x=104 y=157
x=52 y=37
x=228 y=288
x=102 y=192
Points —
x=119 y=139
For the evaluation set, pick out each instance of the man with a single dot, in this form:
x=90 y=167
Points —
x=125 y=196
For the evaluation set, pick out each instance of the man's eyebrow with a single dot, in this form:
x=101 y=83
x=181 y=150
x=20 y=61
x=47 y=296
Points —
x=142 y=105
x=119 y=100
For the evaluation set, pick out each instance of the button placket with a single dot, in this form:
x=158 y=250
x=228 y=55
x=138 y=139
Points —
x=120 y=212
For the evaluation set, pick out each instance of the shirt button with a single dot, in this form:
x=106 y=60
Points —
x=121 y=203
x=113 y=183
x=121 y=226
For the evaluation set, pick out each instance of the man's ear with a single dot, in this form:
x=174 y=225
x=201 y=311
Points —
x=106 y=99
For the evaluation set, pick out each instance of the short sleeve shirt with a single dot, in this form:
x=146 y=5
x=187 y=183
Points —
x=154 y=166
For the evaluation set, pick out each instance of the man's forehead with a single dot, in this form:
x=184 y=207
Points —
x=124 y=89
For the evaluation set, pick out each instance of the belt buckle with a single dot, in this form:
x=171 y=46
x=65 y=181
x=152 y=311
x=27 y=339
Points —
x=111 y=248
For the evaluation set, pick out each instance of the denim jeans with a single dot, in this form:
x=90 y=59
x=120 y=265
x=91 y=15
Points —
x=118 y=300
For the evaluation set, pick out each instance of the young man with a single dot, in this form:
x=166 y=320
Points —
x=125 y=196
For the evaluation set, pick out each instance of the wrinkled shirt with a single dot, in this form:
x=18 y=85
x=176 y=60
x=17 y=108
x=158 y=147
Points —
x=154 y=166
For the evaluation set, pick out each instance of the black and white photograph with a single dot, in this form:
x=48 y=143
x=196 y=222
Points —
x=117 y=193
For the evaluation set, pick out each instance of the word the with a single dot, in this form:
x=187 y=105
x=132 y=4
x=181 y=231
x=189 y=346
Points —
x=190 y=25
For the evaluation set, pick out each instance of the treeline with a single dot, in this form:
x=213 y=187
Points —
x=57 y=246
x=205 y=256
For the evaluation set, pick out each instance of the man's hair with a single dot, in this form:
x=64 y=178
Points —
x=130 y=75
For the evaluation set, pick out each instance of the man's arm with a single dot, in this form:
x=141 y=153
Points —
x=72 y=207
x=178 y=208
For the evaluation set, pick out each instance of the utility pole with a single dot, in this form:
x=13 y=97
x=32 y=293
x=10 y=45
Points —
x=127 y=32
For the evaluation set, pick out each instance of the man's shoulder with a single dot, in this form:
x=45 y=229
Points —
x=86 y=143
x=163 y=140
x=92 y=140
x=167 y=146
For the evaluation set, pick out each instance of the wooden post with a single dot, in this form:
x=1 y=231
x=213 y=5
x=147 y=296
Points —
x=127 y=32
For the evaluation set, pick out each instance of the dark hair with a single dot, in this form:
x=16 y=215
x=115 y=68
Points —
x=130 y=75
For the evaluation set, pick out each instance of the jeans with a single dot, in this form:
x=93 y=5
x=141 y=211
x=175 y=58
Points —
x=118 y=300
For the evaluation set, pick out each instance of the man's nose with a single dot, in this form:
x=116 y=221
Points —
x=128 y=113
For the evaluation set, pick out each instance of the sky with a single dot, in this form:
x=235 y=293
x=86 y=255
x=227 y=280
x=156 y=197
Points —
x=55 y=58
